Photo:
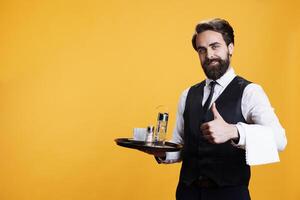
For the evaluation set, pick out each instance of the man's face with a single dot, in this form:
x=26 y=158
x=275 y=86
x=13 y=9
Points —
x=214 y=54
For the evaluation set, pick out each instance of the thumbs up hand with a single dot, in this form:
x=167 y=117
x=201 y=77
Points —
x=218 y=131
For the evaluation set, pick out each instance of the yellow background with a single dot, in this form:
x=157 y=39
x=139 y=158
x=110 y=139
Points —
x=76 y=74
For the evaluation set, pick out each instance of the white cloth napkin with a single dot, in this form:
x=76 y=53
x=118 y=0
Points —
x=260 y=145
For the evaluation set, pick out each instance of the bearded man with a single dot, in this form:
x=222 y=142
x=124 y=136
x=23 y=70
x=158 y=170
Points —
x=225 y=124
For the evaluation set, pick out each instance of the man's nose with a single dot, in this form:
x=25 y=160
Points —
x=210 y=53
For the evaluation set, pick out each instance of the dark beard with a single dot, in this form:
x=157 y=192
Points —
x=217 y=71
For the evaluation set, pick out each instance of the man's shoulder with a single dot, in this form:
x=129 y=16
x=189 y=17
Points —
x=253 y=88
x=249 y=85
x=242 y=81
x=253 y=91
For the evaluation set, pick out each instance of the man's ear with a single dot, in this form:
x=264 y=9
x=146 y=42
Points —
x=230 y=48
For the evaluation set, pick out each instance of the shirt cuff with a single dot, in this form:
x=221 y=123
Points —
x=171 y=157
x=242 y=140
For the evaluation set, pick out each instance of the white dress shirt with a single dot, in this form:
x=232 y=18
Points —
x=262 y=137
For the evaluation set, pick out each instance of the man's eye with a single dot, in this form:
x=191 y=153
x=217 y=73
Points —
x=215 y=47
x=201 y=50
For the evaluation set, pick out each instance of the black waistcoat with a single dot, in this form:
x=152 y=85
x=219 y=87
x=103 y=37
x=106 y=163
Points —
x=223 y=163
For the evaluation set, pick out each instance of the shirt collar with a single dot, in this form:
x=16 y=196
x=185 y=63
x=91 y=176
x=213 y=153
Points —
x=225 y=79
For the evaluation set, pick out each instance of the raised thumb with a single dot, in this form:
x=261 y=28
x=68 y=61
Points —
x=215 y=111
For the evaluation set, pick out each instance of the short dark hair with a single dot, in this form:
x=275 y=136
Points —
x=217 y=25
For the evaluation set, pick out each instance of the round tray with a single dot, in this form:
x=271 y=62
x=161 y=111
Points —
x=145 y=146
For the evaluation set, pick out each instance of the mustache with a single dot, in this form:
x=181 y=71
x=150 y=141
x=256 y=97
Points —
x=208 y=61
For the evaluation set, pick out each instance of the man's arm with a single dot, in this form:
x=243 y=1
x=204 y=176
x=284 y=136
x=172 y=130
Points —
x=258 y=112
x=178 y=132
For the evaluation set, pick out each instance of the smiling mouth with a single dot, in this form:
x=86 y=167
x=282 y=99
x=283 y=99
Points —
x=214 y=62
